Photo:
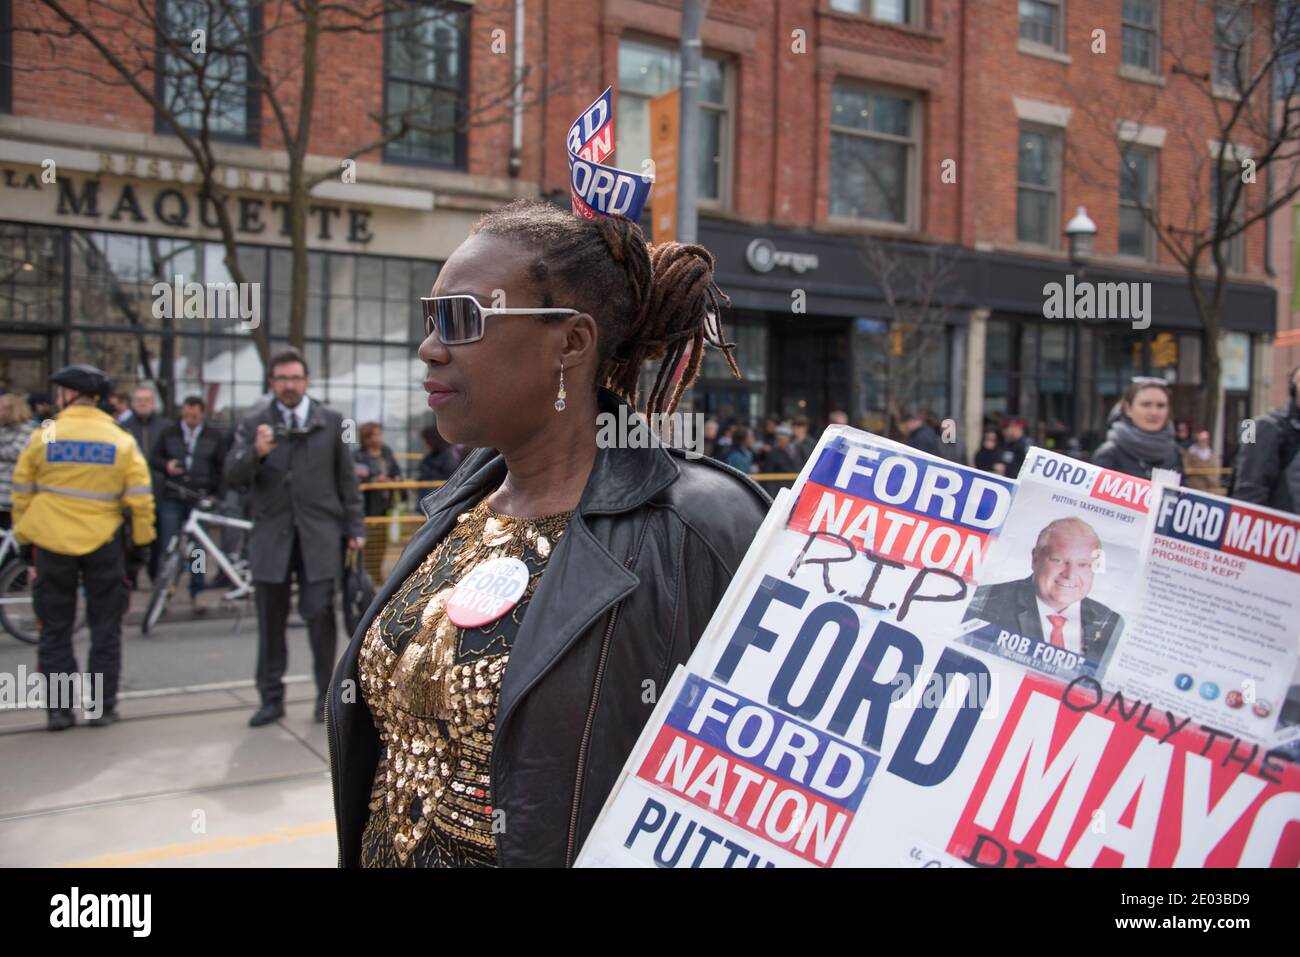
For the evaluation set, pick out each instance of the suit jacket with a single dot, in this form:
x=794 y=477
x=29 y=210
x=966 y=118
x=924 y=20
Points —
x=206 y=466
x=1014 y=606
x=307 y=485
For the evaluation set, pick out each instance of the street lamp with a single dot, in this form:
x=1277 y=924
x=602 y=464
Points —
x=1080 y=232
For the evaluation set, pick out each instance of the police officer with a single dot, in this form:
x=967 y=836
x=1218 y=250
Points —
x=71 y=484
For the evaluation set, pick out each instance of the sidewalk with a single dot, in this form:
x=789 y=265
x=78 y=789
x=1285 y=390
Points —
x=181 y=780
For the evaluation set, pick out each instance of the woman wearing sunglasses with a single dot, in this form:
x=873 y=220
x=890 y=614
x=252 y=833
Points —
x=498 y=682
x=1141 y=433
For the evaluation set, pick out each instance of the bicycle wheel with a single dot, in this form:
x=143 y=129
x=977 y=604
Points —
x=19 y=617
x=169 y=573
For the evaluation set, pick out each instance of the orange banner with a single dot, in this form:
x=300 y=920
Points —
x=665 y=111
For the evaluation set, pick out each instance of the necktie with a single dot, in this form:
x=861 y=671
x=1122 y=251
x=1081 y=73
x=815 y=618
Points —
x=1058 y=630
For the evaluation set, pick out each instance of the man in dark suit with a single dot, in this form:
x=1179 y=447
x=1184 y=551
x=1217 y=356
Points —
x=190 y=454
x=1052 y=604
x=305 y=502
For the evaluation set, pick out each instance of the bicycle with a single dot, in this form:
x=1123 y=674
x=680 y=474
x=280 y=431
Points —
x=205 y=511
x=17 y=615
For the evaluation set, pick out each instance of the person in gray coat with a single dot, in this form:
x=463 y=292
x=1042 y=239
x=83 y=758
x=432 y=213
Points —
x=304 y=499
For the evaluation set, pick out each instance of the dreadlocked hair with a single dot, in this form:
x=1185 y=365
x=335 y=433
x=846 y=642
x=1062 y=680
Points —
x=649 y=302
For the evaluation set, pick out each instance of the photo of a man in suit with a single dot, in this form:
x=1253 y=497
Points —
x=1052 y=604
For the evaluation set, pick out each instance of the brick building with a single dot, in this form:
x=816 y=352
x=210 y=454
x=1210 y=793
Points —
x=975 y=128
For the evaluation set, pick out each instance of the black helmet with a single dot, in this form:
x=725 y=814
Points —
x=84 y=379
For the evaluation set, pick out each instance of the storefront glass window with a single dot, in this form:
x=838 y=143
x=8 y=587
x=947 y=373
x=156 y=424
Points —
x=1113 y=358
x=999 y=369
x=900 y=368
x=362 y=325
x=31 y=274
x=1052 y=388
x=717 y=392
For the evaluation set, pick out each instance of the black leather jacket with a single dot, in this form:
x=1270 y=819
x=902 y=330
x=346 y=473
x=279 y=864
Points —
x=207 y=465
x=1266 y=468
x=644 y=562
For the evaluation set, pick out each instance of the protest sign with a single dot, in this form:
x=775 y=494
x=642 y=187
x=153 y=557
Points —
x=1061 y=584
x=596 y=189
x=1217 y=637
x=836 y=714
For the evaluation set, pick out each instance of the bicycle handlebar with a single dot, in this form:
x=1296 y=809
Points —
x=206 y=503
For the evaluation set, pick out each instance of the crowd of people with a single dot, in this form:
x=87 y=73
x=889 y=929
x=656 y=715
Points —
x=1141 y=436
x=67 y=508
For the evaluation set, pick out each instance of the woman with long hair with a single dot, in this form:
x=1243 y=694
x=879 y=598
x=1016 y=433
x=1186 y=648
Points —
x=493 y=691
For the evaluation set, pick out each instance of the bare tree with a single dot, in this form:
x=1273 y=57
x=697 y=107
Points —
x=1238 y=131
x=195 y=62
x=914 y=286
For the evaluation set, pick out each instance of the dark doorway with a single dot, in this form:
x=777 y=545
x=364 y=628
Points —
x=810 y=367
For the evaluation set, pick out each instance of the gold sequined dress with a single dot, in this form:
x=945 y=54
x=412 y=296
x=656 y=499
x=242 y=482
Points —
x=432 y=689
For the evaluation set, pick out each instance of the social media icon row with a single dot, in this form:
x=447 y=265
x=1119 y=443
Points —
x=1233 y=699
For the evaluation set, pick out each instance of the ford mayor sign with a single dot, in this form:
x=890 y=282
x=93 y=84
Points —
x=836 y=714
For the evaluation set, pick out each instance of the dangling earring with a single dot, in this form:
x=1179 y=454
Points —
x=560 y=396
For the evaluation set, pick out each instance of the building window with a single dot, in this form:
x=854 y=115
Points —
x=1038 y=187
x=874 y=155
x=646 y=70
x=1141 y=20
x=1231 y=46
x=891 y=11
x=1041 y=22
x=31 y=274
x=1137 y=191
x=217 y=92
x=1226 y=184
x=426 y=76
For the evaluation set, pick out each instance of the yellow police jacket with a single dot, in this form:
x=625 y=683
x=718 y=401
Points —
x=74 y=479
